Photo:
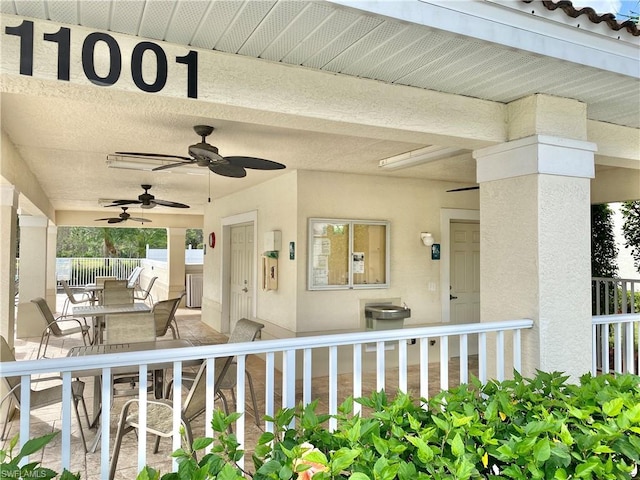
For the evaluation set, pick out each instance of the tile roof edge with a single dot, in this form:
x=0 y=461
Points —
x=609 y=18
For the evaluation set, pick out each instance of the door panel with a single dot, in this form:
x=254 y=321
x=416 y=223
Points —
x=465 y=278
x=241 y=274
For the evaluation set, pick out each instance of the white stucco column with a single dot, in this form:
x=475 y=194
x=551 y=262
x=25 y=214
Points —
x=535 y=246
x=52 y=250
x=8 y=240
x=33 y=274
x=176 y=238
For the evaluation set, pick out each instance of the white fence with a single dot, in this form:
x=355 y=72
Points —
x=616 y=324
x=285 y=359
x=81 y=271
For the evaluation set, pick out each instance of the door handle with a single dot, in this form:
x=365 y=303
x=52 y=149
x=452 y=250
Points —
x=452 y=297
x=245 y=289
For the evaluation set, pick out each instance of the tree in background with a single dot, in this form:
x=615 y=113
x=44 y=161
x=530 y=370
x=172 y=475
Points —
x=194 y=238
x=87 y=242
x=631 y=230
x=603 y=244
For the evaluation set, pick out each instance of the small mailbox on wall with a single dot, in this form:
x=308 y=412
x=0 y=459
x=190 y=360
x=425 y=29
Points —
x=269 y=273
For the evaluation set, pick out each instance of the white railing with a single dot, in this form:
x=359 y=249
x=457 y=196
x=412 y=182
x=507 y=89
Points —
x=389 y=351
x=615 y=301
x=611 y=296
x=615 y=343
x=81 y=271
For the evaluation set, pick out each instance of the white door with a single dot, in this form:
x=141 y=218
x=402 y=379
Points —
x=465 y=278
x=241 y=288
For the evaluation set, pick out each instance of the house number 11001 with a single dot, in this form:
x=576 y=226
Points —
x=63 y=38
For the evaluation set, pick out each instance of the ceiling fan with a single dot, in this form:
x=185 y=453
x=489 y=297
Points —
x=204 y=154
x=123 y=217
x=463 y=189
x=146 y=200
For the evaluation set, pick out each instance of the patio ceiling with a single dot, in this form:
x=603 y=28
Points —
x=64 y=141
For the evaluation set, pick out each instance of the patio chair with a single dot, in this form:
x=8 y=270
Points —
x=164 y=316
x=134 y=276
x=121 y=328
x=160 y=412
x=245 y=331
x=43 y=397
x=53 y=326
x=145 y=294
x=116 y=293
x=71 y=298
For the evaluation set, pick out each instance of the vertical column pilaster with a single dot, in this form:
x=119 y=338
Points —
x=176 y=238
x=8 y=242
x=535 y=254
x=33 y=274
x=51 y=280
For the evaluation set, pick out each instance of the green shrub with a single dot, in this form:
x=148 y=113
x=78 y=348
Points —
x=540 y=428
x=9 y=466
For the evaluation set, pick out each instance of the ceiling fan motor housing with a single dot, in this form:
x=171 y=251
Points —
x=146 y=198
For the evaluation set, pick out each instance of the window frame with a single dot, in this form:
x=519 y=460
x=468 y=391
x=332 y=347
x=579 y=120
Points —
x=311 y=286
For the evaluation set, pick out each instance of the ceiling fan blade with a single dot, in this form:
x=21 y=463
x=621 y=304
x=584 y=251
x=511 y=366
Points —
x=119 y=203
x=152 y=155
x=171 y=165
x=167 y=203
x=115 y=220
x=228 y=170
x=104 y=219
x=255 y=163
x=138 y=219
x=464 y=189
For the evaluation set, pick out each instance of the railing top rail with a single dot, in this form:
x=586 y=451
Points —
x=113 y=360
x=616 y=318
x=615 y=279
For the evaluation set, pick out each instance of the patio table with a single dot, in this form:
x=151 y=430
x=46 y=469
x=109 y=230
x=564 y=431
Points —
x=101 y=349
x=102 y=310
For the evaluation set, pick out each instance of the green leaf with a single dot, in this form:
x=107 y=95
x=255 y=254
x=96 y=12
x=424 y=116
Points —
x=613 y=407
x=460 y=421
x=457 y=445
x=316 y=456
x=343 y=459
x=542 y=450
x=441 y=424
x=201 y=443
x=271 y=466
x=381 y=446
x=285 y=473
x=359 y=476
x=33 y=445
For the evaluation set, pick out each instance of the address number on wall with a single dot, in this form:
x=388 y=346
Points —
x=62 y=38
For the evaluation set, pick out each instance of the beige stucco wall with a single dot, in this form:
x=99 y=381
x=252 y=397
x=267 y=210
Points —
x=412 y=206
x=275 y=202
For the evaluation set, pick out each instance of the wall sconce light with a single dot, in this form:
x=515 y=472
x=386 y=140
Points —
x=427 y=239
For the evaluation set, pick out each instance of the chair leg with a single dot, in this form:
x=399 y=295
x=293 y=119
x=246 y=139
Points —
x=84 y=441
x=65 y=307
x=156 y=445
x=46 y=334
x=11 y=410
x=177 y=331
x=122 y=431
x=253 y=398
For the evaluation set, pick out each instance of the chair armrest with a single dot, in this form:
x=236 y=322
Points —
x=66 y=319
x=9 y=393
